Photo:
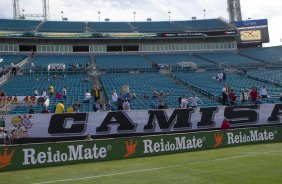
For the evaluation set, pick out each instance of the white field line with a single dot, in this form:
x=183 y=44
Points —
x=159 y=168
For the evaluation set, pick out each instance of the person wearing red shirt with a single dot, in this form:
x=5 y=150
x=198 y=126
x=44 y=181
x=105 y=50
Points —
x=232 y=97
x=254 y=94
x=225 y=125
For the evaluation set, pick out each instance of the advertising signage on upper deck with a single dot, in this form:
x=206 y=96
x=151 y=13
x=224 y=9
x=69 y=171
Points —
x=251 y=23
x=201 y=34
x=252 y=31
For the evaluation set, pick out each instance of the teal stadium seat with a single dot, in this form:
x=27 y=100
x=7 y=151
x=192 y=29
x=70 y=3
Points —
x=62 y=26
x=18 y=25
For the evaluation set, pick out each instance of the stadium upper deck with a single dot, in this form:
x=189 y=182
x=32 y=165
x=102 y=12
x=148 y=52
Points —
x=113 y=27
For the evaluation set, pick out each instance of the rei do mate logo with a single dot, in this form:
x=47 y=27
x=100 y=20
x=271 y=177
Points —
x=242 y=137
x=164 y=144
x=6 y=158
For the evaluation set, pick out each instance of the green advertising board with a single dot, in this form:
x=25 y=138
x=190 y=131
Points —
x=52 y=154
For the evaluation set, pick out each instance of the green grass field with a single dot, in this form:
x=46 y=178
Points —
x=244 y=164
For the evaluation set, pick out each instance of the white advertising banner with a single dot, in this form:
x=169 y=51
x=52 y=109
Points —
x=141 y=122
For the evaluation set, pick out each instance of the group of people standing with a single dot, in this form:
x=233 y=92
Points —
x=253 y=95
x=184 y=101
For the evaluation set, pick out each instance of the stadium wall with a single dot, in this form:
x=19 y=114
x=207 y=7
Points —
x=85 y=151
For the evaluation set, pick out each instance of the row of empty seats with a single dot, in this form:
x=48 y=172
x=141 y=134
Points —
x=175 y=59
x=41 y=62
x=105 y=62
x=230 y=59
x=18 y=25
x=7 y=60
x=268 y=75
x=118 y=62
x=270 y=54
x=114 y=27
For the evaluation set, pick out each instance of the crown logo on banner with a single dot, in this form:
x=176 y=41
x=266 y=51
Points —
x=130 y=148
x=5 y=159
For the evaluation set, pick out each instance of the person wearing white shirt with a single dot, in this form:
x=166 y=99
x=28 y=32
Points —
x=194 y=101
x=35 y=92
x=87 y=97
x=263 y=92
x=184 y=102
x=220 y=76
x=114 y=96
x=64 y=92
x=44 y=93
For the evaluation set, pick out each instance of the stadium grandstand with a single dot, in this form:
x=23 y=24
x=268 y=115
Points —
x=139 y=89
x=171 y=52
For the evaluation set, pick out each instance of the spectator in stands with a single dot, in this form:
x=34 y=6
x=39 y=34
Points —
x=14 y=71
x=126 y=105
x=97 y=106
x=114 y=96
x=232 y=97
x=155 y=94
x=51 y=90
x=31 y=111
x=280 y=97
x=263 y=92
x=32 y=54
x=44 y=93
x=36 y=79
x=36 y=92
x=258 y=101
x=145 y=96
x=194 y=101
x=76 y=106
x=87 y=97
x=40 y=100
x=253 y=94
x=133 y=95
x=60 y=108
x=45 y=110
x=108 y=106
x=160 y=99
x=127 y=96
x=245 y=71
x=220 y=77
x=243 y=96
x=184 y=102
x=64 y=92
x=224 y=94
x=2 y=93
x=58 y=95
x=70 y=109
x=224 y=76
x=225 y=125
x=119 y=103
x=179 y=101
x=96 y=92
x=46 y=102
x=32 y=66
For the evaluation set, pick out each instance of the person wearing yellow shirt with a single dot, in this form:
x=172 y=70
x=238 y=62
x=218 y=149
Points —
x=70 y=109
x=60 y=108
x=51 y=89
